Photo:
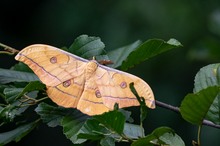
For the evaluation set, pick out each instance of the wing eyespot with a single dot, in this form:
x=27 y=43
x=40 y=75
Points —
x=123 y=85
x=53 y=59
x=98 y=94
x=67 y=83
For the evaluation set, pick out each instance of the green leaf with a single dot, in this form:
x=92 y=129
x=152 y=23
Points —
x=141 y=100
x=162 y=130
x=92 y=130
x=119 y=55
x=8 y=113
x=96 y=130
x=172 y=139
x=14 y=107
x=18 y=133
x=145 y=141
x=161 y=135
x=107 y=141
x=174 y=42
x=12 y=93
x=89 y=136
x=194 y=107
x=148 y=50
x=113 y=120
x=89 y=47
x=7 y=76
x=213 y=114
x=51 y=115
x=209 y=76
x=133 y=131
x=127 y=115
x=72 y=125
x=32 y=86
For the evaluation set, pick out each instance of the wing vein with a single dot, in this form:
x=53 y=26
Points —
x=40 y=67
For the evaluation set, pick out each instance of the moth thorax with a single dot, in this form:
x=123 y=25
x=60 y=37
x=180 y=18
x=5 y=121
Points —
x=90 y=68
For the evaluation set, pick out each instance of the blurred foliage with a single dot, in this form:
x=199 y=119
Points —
x=194 y=23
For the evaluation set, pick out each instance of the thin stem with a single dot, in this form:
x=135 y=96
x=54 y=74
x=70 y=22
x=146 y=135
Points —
x=30 y=101
x=126 y=138
x=167 y=106
x=209 y=123
x=41 y=99
x=8 y=50
x=199 y=135
x=142 y=131
x=177 y=110
x=24 y=105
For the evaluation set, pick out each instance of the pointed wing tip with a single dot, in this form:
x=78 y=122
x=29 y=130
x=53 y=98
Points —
x=153 y=105
x=17 y=56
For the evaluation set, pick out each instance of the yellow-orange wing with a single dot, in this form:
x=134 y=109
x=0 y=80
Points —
x=108 y=86
x=114 y=88
x=60 y=71
x=52 y=65
x=86 y=85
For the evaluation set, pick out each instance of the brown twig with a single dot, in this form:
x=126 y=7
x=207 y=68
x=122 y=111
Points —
x=27 y=101
x=177 y=110
x=8 y=50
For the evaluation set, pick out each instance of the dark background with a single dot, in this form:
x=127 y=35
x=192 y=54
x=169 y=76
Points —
x=120 y=22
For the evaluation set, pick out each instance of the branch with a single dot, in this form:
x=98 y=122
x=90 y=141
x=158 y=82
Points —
x=8 y=50
x=177 y=110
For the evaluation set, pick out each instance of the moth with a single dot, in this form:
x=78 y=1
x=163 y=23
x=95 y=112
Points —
x=75 y=82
